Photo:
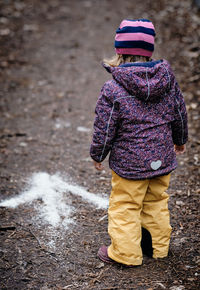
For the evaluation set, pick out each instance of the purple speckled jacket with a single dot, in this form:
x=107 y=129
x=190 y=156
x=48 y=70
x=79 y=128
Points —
x=140 y=115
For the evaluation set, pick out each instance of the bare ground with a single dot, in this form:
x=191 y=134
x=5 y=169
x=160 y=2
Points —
x=51 y=74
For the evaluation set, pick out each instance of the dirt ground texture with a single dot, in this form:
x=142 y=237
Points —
x=50 y=80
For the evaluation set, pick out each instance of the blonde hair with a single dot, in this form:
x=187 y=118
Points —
x=118 y=59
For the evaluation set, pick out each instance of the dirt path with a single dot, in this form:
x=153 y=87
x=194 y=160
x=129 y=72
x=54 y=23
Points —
x=51 y=78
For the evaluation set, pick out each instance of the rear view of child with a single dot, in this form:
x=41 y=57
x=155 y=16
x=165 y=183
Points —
x=141 y=121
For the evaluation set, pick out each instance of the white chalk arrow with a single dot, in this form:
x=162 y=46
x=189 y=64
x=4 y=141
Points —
x=50 y=189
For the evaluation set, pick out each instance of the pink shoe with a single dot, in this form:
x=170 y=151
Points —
x=103 y=256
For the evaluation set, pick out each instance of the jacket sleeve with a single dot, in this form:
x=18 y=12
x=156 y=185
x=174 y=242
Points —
x=179 y=125
x=105 y=125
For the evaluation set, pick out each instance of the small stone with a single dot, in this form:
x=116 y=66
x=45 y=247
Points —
x=5 y=31
x=177 y=287
x=30 y=27
x=23 y=144
x=100 y=265
x=180 y=202
x=83 y=129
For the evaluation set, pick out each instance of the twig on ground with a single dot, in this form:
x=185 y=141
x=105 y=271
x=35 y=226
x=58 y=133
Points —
x=38 y=241
x=7 y=228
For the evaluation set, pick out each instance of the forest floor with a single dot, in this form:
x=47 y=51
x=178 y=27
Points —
x=51 y=77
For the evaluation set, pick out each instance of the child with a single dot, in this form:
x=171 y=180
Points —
x=141 y=120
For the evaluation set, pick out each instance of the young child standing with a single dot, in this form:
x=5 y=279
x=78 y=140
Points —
x=141 y=120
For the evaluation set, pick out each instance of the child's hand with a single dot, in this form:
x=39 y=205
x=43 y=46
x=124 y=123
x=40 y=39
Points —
x=98 y=165
x=179 y=149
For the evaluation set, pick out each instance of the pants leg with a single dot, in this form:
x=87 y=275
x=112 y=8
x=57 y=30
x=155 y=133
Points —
x=155 y=215
x=124 y=222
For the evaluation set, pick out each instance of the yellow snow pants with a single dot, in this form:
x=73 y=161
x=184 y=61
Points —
x=134 y=204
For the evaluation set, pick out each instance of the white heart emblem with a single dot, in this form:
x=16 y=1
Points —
x=156 y=164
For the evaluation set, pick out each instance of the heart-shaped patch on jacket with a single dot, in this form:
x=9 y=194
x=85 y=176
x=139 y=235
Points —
x=156 y=164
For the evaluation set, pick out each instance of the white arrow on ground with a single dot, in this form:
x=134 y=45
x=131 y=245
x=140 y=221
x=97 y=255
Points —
x=50 y=189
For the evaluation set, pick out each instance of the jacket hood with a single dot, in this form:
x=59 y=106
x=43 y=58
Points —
x=148 y=81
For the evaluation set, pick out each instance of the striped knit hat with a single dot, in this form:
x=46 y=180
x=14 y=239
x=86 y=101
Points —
x=135 y=37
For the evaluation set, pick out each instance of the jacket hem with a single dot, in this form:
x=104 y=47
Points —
x=142 y=175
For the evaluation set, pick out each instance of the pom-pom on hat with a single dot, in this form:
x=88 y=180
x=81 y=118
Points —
x=135 y=37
